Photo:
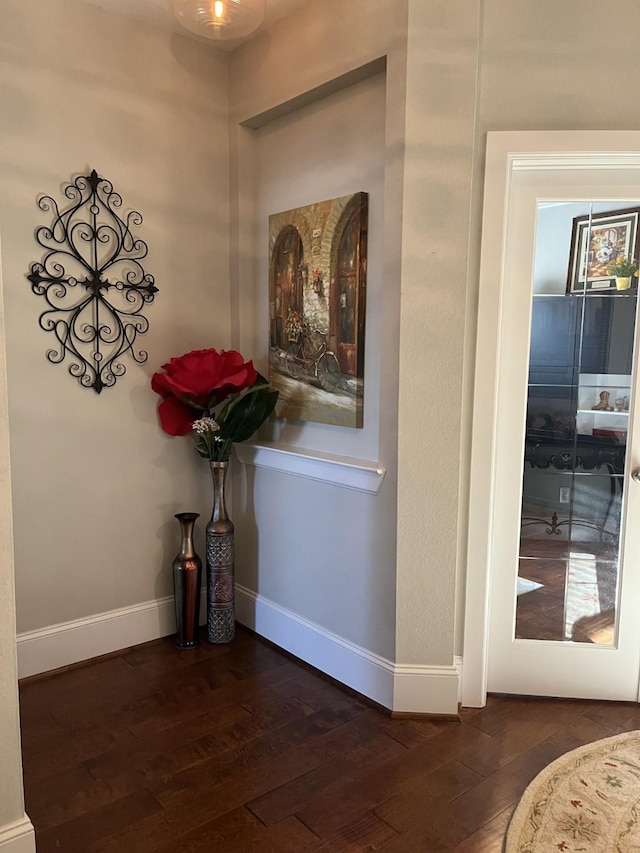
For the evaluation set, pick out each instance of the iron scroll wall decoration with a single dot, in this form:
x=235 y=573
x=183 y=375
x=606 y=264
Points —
x=93 y=282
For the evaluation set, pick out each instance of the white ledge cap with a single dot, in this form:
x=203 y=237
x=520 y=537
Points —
x=344 y=471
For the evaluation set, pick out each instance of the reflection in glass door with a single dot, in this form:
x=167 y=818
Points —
x=579 y=392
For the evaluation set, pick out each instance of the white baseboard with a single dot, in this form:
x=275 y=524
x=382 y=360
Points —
x=18 y=837
x=81 y=639
x=401 y=688
x=426 y=689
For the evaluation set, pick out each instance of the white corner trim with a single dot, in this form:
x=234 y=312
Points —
x=18 y=837
x=401 y=688
x=426 y=689
x=71 y=642
x=457 y=662
x=359 y=474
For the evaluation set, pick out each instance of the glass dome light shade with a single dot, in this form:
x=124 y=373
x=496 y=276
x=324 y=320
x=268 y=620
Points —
x=219 y=19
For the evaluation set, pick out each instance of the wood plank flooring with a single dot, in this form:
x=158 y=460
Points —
x=236 y=749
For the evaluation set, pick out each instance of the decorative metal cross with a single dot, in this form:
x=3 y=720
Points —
x=93 y=282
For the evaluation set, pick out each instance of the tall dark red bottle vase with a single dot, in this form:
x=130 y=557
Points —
x=187 y=579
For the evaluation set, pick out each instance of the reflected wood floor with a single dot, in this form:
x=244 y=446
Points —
x=239 y=749
x=540 y=613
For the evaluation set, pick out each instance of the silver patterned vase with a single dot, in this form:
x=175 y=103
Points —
x=221 y=619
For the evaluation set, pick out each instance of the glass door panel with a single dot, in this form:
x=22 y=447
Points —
x=554 y=535
x=578 y=402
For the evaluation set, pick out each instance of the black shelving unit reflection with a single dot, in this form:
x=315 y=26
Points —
x=574 y=336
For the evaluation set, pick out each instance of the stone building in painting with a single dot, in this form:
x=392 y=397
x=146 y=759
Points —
x=317 y=268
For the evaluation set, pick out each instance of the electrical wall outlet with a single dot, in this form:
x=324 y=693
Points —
x=565 y=495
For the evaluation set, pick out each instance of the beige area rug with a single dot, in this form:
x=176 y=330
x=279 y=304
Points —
x=587 y=801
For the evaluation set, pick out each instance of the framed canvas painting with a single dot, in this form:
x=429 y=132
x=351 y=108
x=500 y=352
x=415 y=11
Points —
x=317 y=307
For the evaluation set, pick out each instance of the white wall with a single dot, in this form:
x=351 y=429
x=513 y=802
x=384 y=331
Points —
x=553 y=241
x=320 y=551
x=96 y=482
x=291 y=159
x=325 y=538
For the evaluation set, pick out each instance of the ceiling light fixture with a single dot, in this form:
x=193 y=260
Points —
x=219 y=19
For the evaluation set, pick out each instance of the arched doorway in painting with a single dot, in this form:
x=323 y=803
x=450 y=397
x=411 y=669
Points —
x=286 y=282
x=348 y=297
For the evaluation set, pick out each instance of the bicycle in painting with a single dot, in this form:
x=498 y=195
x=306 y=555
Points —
x=309 y=356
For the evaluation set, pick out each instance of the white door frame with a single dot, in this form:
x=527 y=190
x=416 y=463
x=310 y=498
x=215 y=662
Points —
x=505 y=149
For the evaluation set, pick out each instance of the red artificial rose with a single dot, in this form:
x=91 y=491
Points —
x=197 y=380
x=198 y=374
x=175 y=417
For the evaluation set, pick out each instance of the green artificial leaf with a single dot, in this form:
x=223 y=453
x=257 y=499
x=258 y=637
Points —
x=260 y=384
x=201 y=449
x=248 y=412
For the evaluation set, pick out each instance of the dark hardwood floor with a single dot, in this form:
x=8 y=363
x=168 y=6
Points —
x=240 y=749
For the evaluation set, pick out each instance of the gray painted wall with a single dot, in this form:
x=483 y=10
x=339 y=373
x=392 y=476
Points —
x=490 y=65
x=324 y=552
x=96 y=481
x=11 y=796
